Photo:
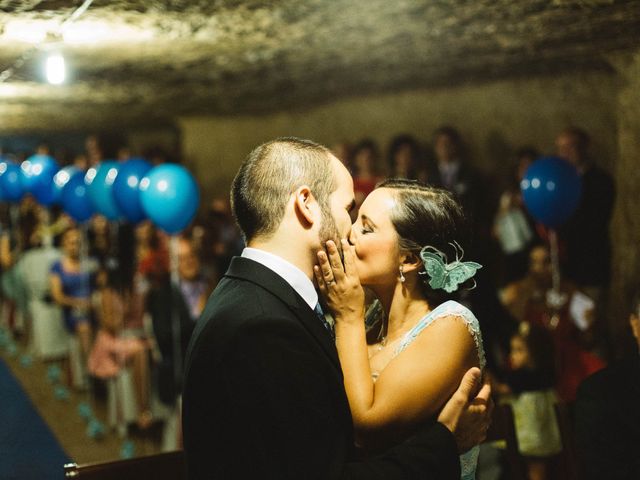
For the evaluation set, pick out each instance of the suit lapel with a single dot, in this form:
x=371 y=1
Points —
x=264 y=277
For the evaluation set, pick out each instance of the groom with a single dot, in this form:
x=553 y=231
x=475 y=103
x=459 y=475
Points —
x=264 y=395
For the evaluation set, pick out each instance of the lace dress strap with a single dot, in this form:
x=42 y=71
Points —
x=446 y=309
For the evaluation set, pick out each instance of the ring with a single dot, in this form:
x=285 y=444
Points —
x=330 y=282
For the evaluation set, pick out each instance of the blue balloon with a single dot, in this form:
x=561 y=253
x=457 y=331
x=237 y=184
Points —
x=99 y=182
x=169 y=195
x=551 y=190
x=37 y=177
x=60 y=179
x=10 y=182
x=125 y=188
x=75 y=198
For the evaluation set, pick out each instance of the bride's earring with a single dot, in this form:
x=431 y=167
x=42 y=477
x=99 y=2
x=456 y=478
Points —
x=401 y=275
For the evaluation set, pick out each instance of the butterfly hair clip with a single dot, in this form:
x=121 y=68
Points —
x=445 y=275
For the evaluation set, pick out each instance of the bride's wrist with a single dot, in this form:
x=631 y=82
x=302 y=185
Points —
x=347 y=319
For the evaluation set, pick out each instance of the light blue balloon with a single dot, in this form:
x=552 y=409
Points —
x=126 y=191
x=37 y=177
x=10 y=182
x=169 y=195
x=99 y=181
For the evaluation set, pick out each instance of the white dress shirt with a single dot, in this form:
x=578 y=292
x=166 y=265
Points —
x=288 y=271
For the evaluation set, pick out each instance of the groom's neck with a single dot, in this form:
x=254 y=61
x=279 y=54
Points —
x=288 y=249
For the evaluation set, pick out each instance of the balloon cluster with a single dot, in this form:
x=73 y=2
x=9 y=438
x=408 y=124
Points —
x=132 y=190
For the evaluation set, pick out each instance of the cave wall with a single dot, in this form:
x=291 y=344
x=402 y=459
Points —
x=494 y=119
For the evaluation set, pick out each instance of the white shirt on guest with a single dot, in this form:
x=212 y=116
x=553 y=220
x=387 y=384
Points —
x=288 y=271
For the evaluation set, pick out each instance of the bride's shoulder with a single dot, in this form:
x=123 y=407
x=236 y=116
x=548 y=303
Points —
x=454 y=309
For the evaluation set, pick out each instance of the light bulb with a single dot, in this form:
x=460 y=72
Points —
x=55 y=69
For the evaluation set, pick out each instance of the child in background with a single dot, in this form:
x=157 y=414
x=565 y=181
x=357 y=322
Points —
x=111 y=351
x=529 y=389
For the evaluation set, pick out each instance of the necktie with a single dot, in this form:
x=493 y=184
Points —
x=320 y=314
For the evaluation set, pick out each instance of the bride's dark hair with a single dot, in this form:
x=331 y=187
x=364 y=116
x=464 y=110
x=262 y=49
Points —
x=427 y=216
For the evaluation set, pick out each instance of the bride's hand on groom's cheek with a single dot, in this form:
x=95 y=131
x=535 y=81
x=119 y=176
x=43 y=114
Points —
x=339 y=283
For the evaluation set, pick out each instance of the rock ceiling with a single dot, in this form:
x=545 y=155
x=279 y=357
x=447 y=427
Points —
x=133 y=62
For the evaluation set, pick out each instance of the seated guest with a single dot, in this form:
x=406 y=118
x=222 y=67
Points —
x=71 y=284
x=607 y=416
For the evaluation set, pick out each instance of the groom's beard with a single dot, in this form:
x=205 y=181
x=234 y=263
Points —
x=329 y=231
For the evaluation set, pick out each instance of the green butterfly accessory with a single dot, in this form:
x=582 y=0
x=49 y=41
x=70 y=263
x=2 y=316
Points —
x=445 y=275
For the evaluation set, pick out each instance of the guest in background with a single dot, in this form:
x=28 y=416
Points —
x=174 y=309
x=343 y=152
x=111 y=351
x=529 y=388
x=531 y=300
x=194 y=286
x=404 y=158
x=71 y=287
x=365 y=169
x=512 y=226
x=227 y=240
x=607 y=415
x=100 y=239
x=453 y=172
x=586 y=234
x=152 y=268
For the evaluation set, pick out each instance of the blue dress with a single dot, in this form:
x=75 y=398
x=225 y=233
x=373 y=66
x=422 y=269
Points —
x=468 y=460
x=76 y=285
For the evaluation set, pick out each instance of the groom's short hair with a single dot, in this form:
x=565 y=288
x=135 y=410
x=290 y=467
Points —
x=270 y=174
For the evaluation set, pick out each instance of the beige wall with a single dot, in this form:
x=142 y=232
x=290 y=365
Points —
x=494 y=118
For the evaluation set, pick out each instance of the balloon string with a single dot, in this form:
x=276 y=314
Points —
x=86 y=278
x=176 y=328
x=47 y=238
x=555 y=260
x=14 y=234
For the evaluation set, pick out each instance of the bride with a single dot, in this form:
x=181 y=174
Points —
x=404 y=248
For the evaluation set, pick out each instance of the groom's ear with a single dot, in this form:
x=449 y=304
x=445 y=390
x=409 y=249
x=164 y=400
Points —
x=304 y=203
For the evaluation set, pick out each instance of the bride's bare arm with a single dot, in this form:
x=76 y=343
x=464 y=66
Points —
x=417 y=383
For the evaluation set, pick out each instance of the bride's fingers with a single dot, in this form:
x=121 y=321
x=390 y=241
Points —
x=322 y=286
x=325 y=268
x=349 y=261
x=335 y=260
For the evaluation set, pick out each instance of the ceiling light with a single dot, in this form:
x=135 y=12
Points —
x=55 y=69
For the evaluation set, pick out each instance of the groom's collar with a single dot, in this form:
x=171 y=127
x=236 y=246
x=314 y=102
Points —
x=288 y=271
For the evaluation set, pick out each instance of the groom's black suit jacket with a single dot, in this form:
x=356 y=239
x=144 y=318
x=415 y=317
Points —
x=264 y=395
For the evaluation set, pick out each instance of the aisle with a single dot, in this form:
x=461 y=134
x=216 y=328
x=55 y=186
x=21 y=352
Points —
x=28 y=449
